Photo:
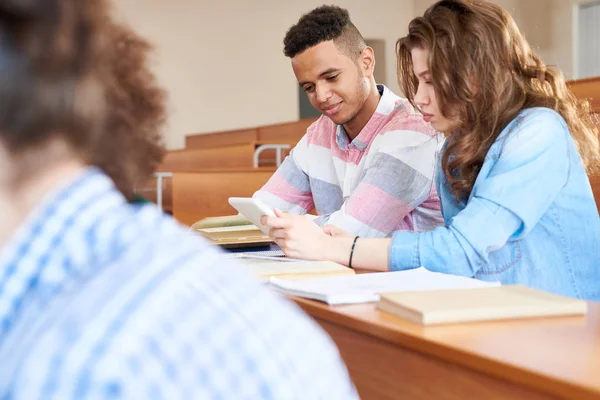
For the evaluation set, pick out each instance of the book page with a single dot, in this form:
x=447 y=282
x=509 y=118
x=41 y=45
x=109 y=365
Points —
x=364 y=288
x=237 y=228
x=223 y=221
x=265 y=268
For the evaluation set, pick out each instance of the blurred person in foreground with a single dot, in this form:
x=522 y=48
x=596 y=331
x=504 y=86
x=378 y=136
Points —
x=100 y=297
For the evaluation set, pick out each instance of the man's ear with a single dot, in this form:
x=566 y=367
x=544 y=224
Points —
x=367 y=61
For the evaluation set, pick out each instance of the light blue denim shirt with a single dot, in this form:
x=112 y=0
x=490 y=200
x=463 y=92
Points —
x=531 y=217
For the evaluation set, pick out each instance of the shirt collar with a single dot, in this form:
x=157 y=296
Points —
x=386 y=105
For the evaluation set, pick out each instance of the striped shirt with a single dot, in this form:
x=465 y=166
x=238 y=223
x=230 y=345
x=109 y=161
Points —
x=104 y=299
x=380 y=182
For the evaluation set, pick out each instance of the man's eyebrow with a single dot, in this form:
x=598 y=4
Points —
x=326 y=72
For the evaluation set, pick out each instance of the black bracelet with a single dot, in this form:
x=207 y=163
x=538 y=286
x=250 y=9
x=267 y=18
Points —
x=352 y=251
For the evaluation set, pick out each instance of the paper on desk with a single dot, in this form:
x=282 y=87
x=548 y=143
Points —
x=365 y=288
x=269 y=252
x=276 y=258
x=264 y=268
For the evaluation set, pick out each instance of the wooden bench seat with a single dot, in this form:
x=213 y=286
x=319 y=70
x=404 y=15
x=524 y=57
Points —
x=286 y=133
x=201 y=194
x=219 y=139
x=283 y=133
x=235 y=156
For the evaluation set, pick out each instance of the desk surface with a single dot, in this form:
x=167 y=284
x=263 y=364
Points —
x=556 y=356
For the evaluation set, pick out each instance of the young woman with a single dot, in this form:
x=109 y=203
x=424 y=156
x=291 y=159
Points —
x=512 y=179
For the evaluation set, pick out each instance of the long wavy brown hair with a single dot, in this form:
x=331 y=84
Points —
x=484 y=73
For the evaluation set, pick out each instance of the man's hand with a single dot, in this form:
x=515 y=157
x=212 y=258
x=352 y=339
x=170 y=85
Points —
x=298 y=236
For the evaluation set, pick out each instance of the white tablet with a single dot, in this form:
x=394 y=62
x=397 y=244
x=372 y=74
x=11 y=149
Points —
x=253 y=209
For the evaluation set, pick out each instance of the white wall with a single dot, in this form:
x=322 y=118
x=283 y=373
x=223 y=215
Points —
x=223 y=64
x=546 y=24
x=564 y=34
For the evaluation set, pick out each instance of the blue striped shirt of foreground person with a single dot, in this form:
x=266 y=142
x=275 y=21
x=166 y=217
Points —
x=100 y=298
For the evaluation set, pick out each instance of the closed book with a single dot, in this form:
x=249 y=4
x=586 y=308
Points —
x=222 y=221
x=231 y=231
x=284 y=268
x=491 y=303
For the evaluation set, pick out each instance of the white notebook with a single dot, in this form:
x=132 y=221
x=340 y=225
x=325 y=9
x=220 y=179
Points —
x=365 y=288
x=265 y=267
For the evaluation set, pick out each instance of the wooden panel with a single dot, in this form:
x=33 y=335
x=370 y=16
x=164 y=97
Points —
x=217 y=139
x=587 y=89
x=147 y=190
x=268 y=158
x=286 y=133
x=381 y=370
x=595 y=182
x=559 y=356
x=238 y=156
x=197 y=195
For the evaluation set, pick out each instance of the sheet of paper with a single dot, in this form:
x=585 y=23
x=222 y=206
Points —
x=365 y=288
x=272 y=255
x=272 y=251
x=298 y=266
x=242 y=228
x=264 y=268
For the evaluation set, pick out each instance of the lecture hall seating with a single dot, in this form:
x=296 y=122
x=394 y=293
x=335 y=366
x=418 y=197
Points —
x=207 y=153
x=590 y=89
x=223 y=164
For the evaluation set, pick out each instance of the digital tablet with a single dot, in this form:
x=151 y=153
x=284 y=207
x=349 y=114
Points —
x=253 y=209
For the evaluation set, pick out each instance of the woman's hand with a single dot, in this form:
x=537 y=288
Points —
x=299 y=237
x=333 y=230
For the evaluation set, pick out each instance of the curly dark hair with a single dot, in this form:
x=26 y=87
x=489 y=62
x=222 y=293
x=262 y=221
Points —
x=132 y=145
x=320 y=25
x=68 y=71
x=50 y=52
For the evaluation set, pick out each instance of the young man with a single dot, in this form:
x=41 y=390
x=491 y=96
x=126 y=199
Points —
x=101 y=298
x=367 y=164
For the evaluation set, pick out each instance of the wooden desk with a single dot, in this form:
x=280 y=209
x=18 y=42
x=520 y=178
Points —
x=390 y=358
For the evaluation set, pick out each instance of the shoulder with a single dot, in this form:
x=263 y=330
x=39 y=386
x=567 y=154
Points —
x=533 y=129
x=534 y=119
x=406 y=120
x=405 y=130
x=160 y=301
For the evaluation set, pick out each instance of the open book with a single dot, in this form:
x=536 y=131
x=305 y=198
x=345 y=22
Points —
x=265 y=269
x=365 y=288
x=449 y=306
x=222 y=222
x=231 y=231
